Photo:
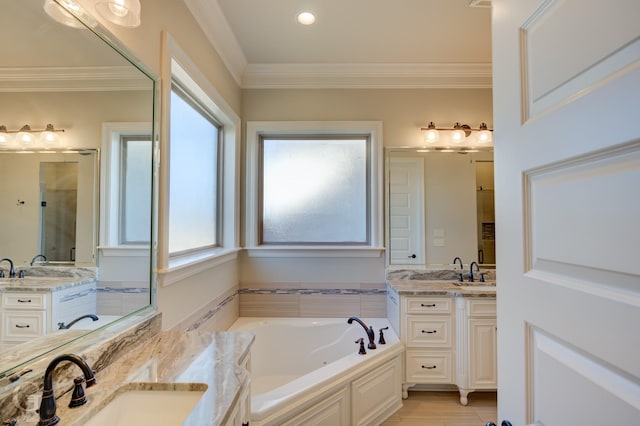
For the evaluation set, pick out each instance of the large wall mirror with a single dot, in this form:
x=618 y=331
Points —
x=440 y=206
x=81 y=204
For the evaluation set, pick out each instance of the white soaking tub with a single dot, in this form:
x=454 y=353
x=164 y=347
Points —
x=308 y=371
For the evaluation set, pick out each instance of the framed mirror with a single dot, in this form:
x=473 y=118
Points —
x=79 y=205
x=440 y=206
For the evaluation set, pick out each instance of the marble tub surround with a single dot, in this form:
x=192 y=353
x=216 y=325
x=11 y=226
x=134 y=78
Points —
x=100 y=348
x=326 y=300
x=173 y=360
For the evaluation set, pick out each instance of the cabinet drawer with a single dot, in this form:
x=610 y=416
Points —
x=24 y=300
x=429 y=331
x=429 y=367
x=481 y=308
x=428 y=305
x=23 y=325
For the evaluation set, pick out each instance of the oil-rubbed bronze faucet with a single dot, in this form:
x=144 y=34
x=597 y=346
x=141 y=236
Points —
x=370 y=333
x=62 y=326
x=48 y=405
x=12 y=271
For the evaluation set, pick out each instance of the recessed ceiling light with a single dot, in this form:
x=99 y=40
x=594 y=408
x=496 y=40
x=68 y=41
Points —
x=306 y=18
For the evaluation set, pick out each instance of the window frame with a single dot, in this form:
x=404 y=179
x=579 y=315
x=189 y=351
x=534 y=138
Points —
x=176 y=64
x=258 y=129
x=192 y=100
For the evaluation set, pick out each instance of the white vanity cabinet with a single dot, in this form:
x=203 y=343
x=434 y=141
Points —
x=427 y=328
x=450 y=339
x=28 y=314
x=477 y=368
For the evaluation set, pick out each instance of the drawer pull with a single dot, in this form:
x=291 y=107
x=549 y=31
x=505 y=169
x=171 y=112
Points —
x=24 y=300
x=431 y=305
x=22 y=326
x=429 y=367
x=430 y=331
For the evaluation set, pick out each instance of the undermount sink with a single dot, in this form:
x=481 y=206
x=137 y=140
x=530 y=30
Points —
x=150 y=403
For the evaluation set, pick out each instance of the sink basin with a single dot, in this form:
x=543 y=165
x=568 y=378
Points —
x=144 y=403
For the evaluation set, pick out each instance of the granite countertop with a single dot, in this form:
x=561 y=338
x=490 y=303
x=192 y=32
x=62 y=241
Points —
x=173 y=357
x=28 y=284
x=442 y=288
x=440 y=283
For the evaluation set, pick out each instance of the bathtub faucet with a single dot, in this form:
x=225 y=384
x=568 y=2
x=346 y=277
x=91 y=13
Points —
x=369 y=330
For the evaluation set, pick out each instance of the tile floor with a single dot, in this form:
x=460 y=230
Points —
x=444 y=409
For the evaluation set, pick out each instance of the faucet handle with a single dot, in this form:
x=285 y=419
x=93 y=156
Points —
x=78 y=397
x=1 y=273
x=481 y=277
x=361 y=351
x=381 y=341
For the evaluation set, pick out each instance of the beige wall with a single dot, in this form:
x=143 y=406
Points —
x=194 y=297
x=403 y=112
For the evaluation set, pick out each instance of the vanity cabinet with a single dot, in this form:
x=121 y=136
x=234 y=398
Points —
x=28 y=314
x=477 y=368
x=427 y=328
x=450 y=340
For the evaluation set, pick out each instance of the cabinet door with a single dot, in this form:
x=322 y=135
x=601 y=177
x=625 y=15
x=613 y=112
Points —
x=482 y=354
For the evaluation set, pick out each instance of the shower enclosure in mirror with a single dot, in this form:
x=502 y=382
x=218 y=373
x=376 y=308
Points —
x=81 y=207
x=440 y=205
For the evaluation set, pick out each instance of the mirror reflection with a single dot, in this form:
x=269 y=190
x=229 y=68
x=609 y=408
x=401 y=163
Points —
x=440 y=207
x=76 y=208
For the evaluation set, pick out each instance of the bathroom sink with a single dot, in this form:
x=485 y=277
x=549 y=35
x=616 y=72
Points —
x=155 y=403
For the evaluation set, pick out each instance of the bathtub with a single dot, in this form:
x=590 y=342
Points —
x=308 y=371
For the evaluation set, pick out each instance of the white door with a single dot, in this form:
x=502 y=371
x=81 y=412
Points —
x=406 y=211
x=566 y=77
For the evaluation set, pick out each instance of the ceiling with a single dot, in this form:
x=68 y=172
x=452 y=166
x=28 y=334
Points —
x=354 y=43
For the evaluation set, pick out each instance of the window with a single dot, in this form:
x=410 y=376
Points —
x=199 y=224
x=315 y=189
x=135 y=189
x=194 y=167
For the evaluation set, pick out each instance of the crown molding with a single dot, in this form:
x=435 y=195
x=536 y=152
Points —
x=213 y=23
x=73 y=79
x=367 y=76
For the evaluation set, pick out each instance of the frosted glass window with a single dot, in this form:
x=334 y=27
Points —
x=315 y=191
x=135 y=220
x=193 y=188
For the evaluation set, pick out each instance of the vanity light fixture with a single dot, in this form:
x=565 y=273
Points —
x=458 y=133
x=5 y=137
x=125 y=13
x=431 y=134
x=61 y=15
x=484 y=135
x=25 y=137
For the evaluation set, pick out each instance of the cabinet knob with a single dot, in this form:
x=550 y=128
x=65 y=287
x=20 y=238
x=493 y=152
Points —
x=413 y=256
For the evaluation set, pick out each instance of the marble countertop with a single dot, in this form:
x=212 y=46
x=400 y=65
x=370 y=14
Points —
x=173 y=357
x=442 y=288
x=28 y=284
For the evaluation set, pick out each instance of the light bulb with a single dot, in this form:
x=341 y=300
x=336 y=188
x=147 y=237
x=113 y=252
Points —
x=49 y=137
x=5 y=138
x=458 y=135
x=431 y=135
x=117 y=8
x=24 y=136
x=484 y=135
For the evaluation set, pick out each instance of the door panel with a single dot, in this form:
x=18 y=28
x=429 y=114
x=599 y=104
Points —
x=406 y=177
x=567 y=168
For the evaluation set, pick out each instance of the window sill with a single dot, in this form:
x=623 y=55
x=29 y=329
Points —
x=315 y=251
x=129 y=251
x=182 y=267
